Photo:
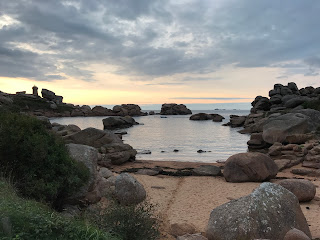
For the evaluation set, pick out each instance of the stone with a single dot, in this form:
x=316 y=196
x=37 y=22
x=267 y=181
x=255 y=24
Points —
x=51 y=96
x=306 y=172
x=152 y=113
x=293 y=87
x=294 y=102
x=207 y=170
x=196 y=236
x=237 y=121
x=87 y=111
x=174 y=109
x=276 y=99
x=117 y=122
x=303 y=189
x=94 y=137
x=105 y=172
x=149 y=172
x=277 y=129
x=205 y=116
x=296 y=234
x=128 y=190
x=282 y=163
x=249 y=167
x=127 y=110
x=89 y=157
x=298 y=138
x=285 y=91
x=179 y=229
x=101 y=111
x=106 y=187
x=269 y=212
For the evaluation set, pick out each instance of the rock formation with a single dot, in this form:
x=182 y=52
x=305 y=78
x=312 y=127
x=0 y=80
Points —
x=117 y=122
x=174 y=109
x=269 y=212
x=204 y=116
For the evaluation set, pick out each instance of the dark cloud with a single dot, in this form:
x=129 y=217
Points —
x=53 y=39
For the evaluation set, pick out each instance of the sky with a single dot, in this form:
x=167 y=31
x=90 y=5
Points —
x=199 y=52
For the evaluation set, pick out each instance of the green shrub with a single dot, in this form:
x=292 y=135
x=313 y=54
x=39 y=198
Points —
x=30 y=220
x=133 y=222
x=314 y=104
x=37 y=160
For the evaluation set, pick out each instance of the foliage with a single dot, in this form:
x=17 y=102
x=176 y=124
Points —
x=37 y=160
x=30 y=220
x=133 y=222
x=314 y=104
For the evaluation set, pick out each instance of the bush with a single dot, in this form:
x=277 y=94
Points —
x=314 y=104
x=37 y=160
x=30 y=220
x=133 y=222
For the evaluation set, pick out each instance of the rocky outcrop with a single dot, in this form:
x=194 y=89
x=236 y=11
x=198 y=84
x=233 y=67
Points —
x=51 y=96
x=204 y=116
x=127 y=110
x=102 y=111
x=89 y=157
x=236 y=121
x=269 y=212
x=304 y=190
x=279 y=128
x=111 y=147
x=117 y=122
x=249 y=167
x=174 y=109
x=128 y=190
x=207 y=170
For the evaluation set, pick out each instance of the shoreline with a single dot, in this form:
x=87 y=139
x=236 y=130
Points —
x=190 y=199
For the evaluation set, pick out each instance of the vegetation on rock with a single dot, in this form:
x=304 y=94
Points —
x=37 y=160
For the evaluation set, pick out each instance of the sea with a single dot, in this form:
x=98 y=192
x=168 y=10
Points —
x=176 y=138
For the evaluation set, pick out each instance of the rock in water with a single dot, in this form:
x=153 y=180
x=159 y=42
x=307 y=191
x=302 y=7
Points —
x=249 y=167
x=128 y=190
x=174 y=109
x=118 y=122
x=269 y=212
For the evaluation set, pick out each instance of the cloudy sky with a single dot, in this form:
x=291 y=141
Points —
x=151 y=52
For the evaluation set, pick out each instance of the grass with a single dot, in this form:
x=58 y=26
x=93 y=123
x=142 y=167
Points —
x=28 y=219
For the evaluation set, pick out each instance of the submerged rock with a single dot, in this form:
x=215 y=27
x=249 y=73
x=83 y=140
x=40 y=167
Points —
x=269 y=212
x=117 y=122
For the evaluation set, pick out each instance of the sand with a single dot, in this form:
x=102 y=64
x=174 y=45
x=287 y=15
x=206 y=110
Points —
x=191 y=199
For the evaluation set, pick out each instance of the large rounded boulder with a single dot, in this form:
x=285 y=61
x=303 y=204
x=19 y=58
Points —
x=249 y=167
x=269 y=212
x=128 y=190
x=303 y=189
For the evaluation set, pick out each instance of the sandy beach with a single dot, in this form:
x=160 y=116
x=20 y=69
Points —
x=190 y=199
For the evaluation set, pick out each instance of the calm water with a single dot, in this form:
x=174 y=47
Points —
x=177 y=132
